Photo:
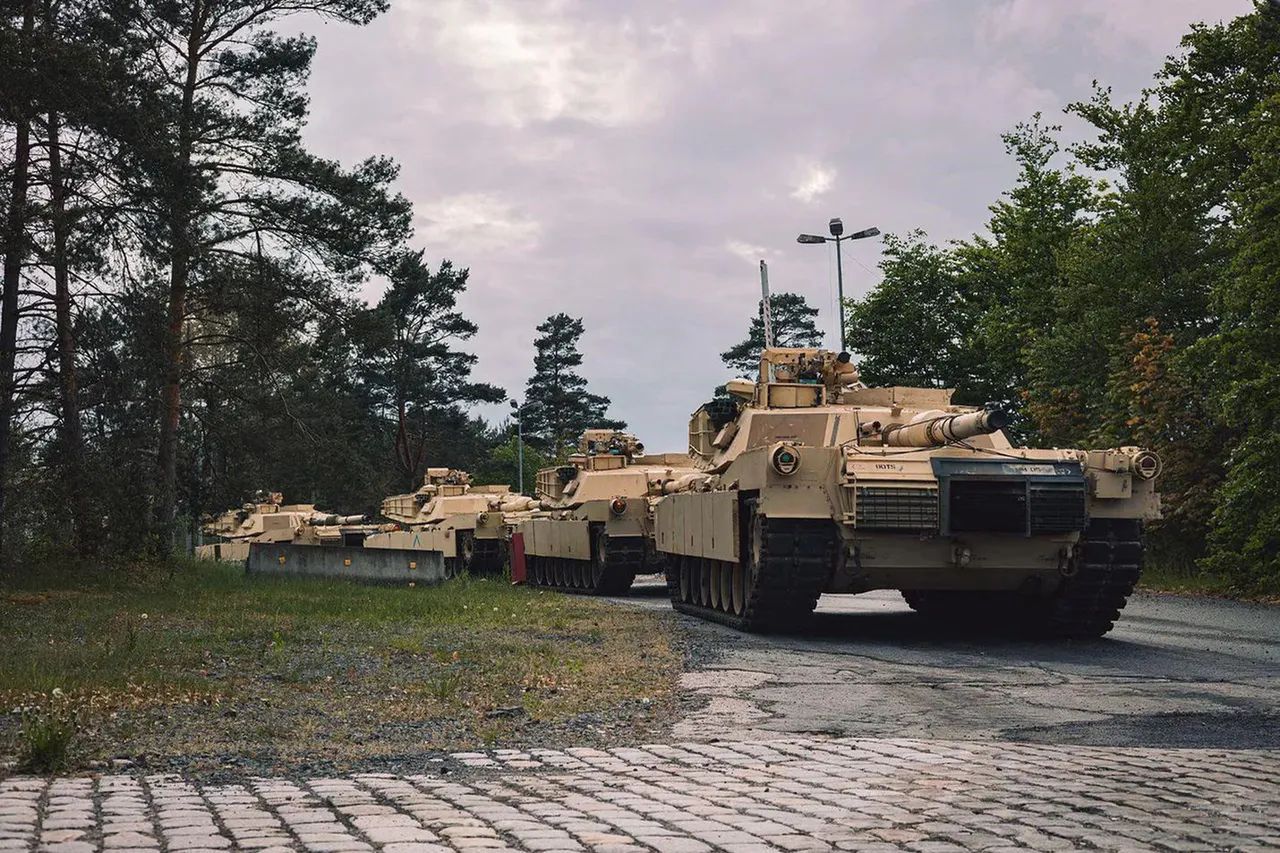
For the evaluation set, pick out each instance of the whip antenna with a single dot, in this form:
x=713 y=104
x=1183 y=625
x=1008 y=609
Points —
x=765 y=307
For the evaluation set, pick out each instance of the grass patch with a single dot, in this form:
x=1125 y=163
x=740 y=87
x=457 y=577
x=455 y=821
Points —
x=199 y=660
x=1158 y=578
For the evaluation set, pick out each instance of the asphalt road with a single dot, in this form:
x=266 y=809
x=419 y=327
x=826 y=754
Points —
x=1175 y=672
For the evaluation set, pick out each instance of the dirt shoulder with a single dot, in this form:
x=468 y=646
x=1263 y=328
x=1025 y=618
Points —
x=212 y=673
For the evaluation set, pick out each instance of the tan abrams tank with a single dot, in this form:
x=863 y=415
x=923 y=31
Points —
x=467 y=523
x=596 y=533
x=818 y=484
x=267 y=518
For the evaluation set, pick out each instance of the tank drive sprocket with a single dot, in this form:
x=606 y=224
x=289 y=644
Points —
x=784 y=566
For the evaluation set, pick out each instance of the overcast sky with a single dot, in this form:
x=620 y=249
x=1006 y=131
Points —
x=630 y=163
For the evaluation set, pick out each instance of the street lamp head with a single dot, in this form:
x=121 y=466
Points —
x=810 y=238
x=836 y=226
x=866 y=232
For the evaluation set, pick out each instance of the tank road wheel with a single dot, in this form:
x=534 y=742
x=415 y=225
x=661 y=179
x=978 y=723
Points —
x=704 y=582
x=685 y=583
x=600 y=563
x=582 y=574
x=737 y=588
x=450 y=568
x=726 y=586
x=713 y=586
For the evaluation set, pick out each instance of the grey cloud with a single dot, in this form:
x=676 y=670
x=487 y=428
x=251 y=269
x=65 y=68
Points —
x=613 y=160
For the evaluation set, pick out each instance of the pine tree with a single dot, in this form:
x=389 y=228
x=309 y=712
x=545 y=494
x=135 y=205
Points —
x=793 y=326
x=558 y=406
x=220 y=163
x=409 y=364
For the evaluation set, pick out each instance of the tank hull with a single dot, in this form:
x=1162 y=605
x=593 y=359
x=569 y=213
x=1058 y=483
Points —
x=820 y=490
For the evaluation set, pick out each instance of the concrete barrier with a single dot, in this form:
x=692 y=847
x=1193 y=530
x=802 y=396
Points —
x=368 y=565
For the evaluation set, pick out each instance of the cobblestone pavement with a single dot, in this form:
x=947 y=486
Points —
x=796 y=794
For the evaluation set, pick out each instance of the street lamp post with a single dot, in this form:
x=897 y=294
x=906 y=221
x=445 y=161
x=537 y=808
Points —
x=838 y=236
x=518 y=410
x=519 y=416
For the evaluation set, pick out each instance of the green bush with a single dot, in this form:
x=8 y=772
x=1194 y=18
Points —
x=46 y=739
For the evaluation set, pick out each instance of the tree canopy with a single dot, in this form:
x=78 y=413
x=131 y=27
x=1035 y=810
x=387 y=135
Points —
x=558 y=406
x=1125 y=292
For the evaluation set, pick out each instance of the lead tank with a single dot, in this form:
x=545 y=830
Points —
x=595 y=533
x=467 y=523
x=267 y=518
x=814 y=483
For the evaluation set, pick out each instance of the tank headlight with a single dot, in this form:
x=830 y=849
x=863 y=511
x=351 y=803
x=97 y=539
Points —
x=618 y=505
x=481 y=518
x=785 y=459
x=1146 y=465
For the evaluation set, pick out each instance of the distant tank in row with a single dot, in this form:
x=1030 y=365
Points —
x=596 y=532
x=267 y=518
x=818 y=484
x=467 y=523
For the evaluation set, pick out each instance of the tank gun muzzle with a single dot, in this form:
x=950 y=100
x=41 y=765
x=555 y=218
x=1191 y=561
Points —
x=936 y=429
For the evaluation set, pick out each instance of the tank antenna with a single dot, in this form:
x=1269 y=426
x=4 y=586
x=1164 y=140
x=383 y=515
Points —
x=765 y=307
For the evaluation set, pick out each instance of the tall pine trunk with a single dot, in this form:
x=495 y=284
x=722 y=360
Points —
x=181 y=239
x=68 y=382
x=15 y=247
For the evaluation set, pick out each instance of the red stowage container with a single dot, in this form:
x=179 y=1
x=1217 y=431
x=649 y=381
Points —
x=517 y=558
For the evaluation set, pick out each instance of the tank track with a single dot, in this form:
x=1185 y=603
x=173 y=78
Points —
x=1108 y=564
x=625 y=558
x=1085 y=605
x=796 y=561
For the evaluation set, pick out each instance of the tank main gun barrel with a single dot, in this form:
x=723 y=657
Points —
x=321 y=519
x=935 y=431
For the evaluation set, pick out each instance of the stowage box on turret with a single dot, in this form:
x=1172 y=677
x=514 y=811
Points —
x=595 y=534
x=815 y=483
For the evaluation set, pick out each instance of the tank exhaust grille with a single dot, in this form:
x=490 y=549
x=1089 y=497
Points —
x=1020 y=507
x=890 y=508
x=1057 y=508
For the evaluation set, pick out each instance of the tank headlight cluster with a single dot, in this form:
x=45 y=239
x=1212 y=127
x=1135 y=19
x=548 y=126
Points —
x=618 y=505
x=785 y=459
x=1146 y=465
x=481 y=518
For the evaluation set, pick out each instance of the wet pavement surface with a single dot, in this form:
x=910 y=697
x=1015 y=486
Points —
x=1175 y=672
